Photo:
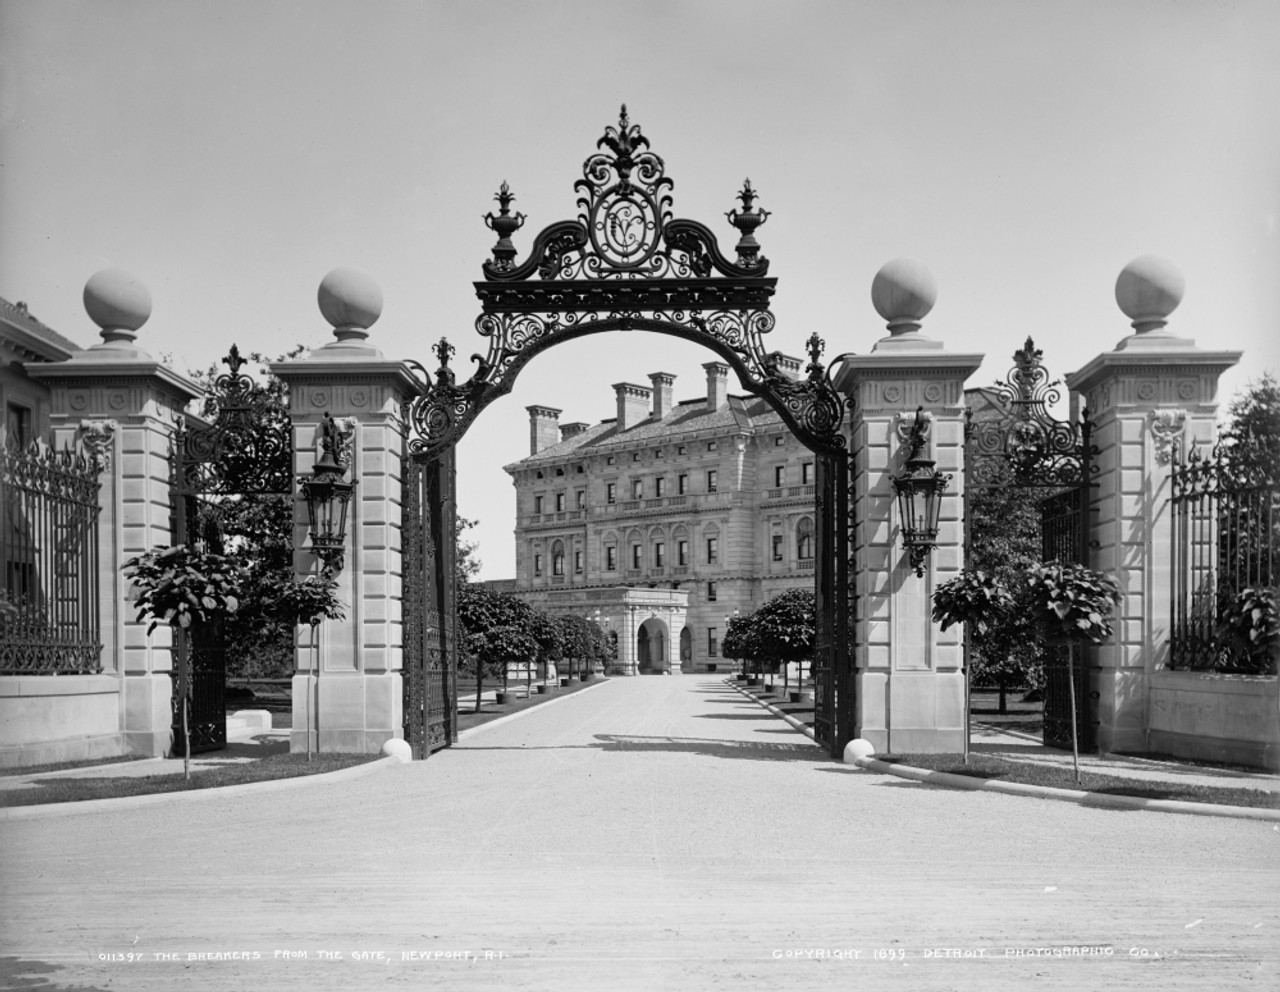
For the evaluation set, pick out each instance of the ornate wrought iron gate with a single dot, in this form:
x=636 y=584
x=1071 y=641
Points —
x=245 y=450
x=1017 y=443
x=429 y=646
x=626 y=264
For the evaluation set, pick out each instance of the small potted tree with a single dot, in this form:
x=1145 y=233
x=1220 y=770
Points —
x=183 y=588
x=1072 y=605
x=978 y=600
x=306 y=602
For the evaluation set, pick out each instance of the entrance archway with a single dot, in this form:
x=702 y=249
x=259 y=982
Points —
x=652 y=648
x=625 y=263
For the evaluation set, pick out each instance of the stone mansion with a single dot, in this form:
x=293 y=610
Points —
x=666 y=519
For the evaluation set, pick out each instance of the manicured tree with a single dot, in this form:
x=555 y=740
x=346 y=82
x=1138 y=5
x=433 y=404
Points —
x=1072 y=605
x=1004 y=541
x=308 y=601
x=782 y=630
x=737 y=643
x=576 y=638
x=496 y=630
x=183 y=588
x=548 y=633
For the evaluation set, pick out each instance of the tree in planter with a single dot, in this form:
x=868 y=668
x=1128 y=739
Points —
x=1072 y=605
x=183 y=588
x=782 y=630
x=306 y=602
x=496 y=631
x=576 y=639
x=737 y=643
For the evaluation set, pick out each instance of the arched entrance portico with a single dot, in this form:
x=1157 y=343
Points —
x=626 y=264
x=653 y=642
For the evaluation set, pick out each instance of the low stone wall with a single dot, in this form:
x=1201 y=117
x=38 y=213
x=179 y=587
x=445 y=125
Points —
x=46 y=718
x=1213 y=717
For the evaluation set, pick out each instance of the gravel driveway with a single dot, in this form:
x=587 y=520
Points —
x=649 y=834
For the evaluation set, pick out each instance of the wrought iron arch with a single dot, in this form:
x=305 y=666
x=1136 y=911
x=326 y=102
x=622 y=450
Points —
x=626 y=263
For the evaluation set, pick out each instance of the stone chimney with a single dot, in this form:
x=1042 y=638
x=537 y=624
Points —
x=572 y=430
x=633 y=404
x=544 y=427
x=717 y=385
x=663 y=384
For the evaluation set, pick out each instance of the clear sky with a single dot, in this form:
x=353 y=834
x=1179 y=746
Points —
x=231 y=153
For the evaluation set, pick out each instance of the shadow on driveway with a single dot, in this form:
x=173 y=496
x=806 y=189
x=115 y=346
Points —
x=737 y=750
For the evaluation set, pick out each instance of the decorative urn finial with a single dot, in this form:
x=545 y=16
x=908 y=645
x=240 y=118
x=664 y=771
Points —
x=746 y=221
x=504 y=224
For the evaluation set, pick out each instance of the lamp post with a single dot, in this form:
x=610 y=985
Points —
x=919 y=488
x=328 y=496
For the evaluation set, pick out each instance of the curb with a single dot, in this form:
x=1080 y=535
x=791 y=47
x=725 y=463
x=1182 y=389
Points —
x=36 y=812
x=1094 y=799
x=498 y=721
x=803 y=728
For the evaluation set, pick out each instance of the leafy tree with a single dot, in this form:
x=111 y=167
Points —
x=183 y=588
x=496 y=632
x=1250 y=443
x=1072 y=605
x=1004 y=541
x=466 y=564
x=258 y=529
x=778 y=633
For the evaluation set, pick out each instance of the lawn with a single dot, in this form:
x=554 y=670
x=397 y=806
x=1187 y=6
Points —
x=468 y=717
x=66 y=789
x=994 y=768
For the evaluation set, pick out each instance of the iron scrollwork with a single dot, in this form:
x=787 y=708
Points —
x=625 y=264
x=1024 y=444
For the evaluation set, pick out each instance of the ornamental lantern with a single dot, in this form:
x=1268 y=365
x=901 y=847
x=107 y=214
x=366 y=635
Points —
x=919 y=488
x=328 y=496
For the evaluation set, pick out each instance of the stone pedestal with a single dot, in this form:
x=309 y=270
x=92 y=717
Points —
x=117 y=400
x=355 y=697
x=909 y=674
x=1150 y=399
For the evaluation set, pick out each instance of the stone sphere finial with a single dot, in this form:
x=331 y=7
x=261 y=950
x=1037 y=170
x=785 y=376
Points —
x=351 y=301
x=118 y=303
x=903 y=292
x=1148 y=289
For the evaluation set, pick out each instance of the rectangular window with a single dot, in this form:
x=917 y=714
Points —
x=18 y=427
x=712 y=445
x=637 y=488
x=577 y=561
x=713 y=645
x=682 y=552
x=557 y=563
x=713 y=552
x=537 y=564
x=559 y=502
x=659 y=554
x=711 y=592
x=779 y=476
x=778 y=442
x=711 y=480
x=637 y=559
x=806 y=473
x=537 y=504
x=611 y=492
x=777 y=547
x=582 y=498
x=682 y=450
x=611 y=460
x=659 y=486
x=611 y=558
x=682 y=483
x=635 y=456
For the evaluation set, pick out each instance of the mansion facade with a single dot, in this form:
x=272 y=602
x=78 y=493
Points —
x=666 y=520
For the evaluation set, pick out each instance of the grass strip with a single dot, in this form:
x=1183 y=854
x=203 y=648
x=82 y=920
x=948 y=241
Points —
x=60 y=766
x=279 y=766
x=991 y=767
x=468 y=717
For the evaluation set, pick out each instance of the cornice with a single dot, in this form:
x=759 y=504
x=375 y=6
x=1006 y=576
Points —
x=364 y=371
x=1185 y=361
x=77 y=369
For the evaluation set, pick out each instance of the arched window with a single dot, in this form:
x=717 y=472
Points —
x=804 y=539
x=557 y=558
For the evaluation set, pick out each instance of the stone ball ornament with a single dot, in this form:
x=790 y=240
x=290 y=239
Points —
x=350 y=300
x=858 y=749
x=118 y=302
x=1148 y=290
x=903 y=292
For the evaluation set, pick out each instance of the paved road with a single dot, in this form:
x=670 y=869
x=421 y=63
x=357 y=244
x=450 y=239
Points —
x=648 y=834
